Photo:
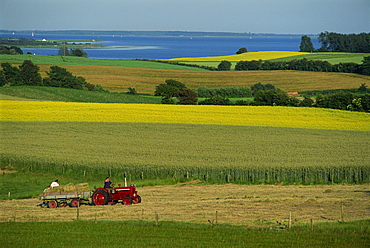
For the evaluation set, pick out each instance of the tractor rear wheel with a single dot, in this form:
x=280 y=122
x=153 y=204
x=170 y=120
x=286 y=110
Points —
x=52 y=204
x=100 y=197
x=75 y=203
x=127 y=201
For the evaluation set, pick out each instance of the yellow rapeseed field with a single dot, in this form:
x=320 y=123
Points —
x=194 y=114
x=245 y=56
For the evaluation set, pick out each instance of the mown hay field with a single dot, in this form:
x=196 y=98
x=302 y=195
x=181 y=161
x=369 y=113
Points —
x=118 y=79
x=248 y=205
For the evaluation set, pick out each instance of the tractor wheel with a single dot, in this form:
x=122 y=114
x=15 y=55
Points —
x=137 y=200
x=127 y=201
x=52 y=204
x=75 y=203
x=100 y=197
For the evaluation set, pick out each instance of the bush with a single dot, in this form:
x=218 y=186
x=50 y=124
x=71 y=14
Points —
x=272 y=97
x=224 y=66
x=230 y=92
x=187 y=97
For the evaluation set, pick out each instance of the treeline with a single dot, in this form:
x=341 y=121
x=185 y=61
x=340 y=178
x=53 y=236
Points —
x=10 y=50
x=231 y=92
x=269 y=95
x=28 y=74
x=305 y=65
x=78 y=52
x=350 y=43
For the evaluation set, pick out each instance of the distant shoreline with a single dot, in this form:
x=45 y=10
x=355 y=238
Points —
x=147 y=33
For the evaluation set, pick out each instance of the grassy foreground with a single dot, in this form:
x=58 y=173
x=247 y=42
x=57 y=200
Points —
x=172 y=234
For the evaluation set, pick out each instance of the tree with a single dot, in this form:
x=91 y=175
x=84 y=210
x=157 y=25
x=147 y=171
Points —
x=352 y=43
x=79 y=52
x=63 y=51
x=271 y=98
x=306 y=102
x=169 y=90
x=11 y=74
x=224 y=66
x=187 y=97
x=365 y=66
x=175 y=83
x=362 y=88
x=10 y=50
x=242 y=50
x=131 y=91
x=2 y=79
x=60 y=77
x=165 y=90
x=29 y=73
x=306 y=44
x=258 y=86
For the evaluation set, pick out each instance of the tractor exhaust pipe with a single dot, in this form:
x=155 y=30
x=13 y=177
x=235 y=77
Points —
x=125 y=180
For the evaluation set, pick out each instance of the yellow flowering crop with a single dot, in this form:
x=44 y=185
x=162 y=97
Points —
x=245 y=56
x=194 y=114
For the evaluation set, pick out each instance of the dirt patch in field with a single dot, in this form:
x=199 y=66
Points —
x=258 y=205
x=7 y=169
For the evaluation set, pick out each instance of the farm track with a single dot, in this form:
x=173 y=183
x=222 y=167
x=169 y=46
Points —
x=250 y=205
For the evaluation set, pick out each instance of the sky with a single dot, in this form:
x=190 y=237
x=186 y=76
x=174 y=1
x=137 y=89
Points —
x=255 y=16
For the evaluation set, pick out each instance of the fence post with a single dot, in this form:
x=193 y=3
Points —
x=341 y=212
x=311 y=220
x=156 y=218
x=78 y=211
x=216 y=217
x=290 y=220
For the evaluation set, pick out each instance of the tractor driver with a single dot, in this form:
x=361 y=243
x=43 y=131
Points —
x=107 y=183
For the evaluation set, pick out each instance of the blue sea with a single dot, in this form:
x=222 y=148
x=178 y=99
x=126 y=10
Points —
x=158 y=47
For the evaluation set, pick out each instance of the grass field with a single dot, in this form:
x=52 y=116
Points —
x=169 y=234
x=71 y=60
x=72 y=95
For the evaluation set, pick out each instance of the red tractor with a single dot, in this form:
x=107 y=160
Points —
x=127 y=195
